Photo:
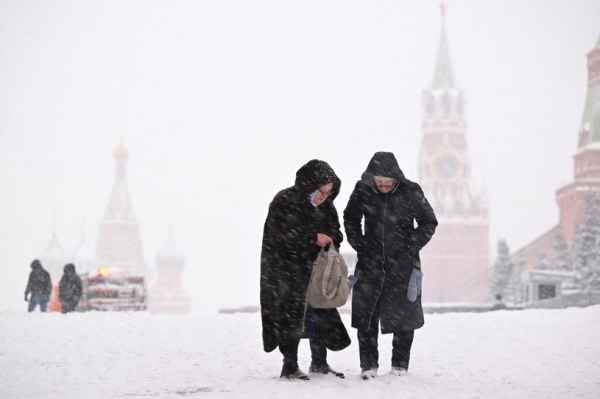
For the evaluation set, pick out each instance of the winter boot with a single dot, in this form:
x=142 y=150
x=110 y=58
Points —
x=368 y=374
x=324 y=368
x=293 y=374
x=398 y=371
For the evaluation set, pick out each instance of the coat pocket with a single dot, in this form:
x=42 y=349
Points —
x=414 y=285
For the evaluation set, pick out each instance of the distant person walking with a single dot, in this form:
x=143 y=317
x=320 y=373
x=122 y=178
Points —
x=302 y=219
x=39 y=286
x=388 y=259
x=69 y=289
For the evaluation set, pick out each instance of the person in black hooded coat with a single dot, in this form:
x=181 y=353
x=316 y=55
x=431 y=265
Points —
x=388 y=251
x=69 y=289
x=39 y=286
x=301 y=220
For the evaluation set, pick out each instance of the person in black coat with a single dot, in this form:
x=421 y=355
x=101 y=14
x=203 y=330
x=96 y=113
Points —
x=69 y=289
x=39 y=286
x=388 y=251
x=302 y=219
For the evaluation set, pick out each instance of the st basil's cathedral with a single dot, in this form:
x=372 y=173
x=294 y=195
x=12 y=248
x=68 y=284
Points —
x=115 y=274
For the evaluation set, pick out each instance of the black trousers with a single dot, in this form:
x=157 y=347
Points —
x=368 y=347
x=289 y=349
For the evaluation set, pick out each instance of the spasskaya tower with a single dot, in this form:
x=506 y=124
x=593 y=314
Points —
x=456 y=261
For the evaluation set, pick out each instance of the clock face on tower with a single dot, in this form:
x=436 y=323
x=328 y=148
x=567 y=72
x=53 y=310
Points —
x=446 y=166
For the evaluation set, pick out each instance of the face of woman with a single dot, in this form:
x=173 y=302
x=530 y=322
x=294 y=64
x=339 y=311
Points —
x=384 y=184
x=322 y=193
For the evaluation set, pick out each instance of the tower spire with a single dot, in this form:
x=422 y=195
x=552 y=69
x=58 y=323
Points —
x=443 y=77
x=444 y=171
x=119 y=242
x=119 y=207
x=589 y=131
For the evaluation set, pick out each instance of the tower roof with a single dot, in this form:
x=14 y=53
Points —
x=119 y=207
x=590 y=121
x=84 y=257
x=54 y=257
x=119 y=243
x=443 y=77
x=170 y=255
x=121 y=152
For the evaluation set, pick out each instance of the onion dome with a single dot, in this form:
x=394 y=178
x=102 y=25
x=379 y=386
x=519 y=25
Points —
x=54 y=258
x=84 y=257
x=121 y=152
x=170 y=255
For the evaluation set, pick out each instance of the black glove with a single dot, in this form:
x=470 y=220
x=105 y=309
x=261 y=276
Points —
x=26 y=300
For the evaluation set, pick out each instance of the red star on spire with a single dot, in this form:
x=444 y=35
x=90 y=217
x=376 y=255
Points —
x=443 y=9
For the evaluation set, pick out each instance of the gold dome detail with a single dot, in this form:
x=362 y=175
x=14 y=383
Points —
x=121 y=152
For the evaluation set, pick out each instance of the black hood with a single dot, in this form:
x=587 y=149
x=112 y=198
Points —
x=315 y=174
x=383 y=164
x=69 y=269
x=36 y=265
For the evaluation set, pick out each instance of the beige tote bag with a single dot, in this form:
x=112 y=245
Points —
x=329 y=285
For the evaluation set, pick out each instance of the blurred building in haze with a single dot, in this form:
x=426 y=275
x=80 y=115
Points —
x=456 y=262
x=572 y=199
x=115 y=274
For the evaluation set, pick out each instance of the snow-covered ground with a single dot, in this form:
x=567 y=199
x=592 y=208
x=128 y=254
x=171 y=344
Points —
x=503 y=354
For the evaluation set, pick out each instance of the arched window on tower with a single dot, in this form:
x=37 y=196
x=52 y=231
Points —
x=594 y=71
x=446 y=106
x=460 y=105
x=458 y=208
x=475 y=208
x=430 y=106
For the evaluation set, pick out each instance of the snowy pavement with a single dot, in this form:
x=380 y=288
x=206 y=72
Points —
x=503 y=354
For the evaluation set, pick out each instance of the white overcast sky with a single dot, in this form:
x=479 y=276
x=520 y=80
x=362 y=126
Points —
x=220 y=102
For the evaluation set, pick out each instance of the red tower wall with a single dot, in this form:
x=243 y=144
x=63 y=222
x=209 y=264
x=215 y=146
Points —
x=454 y=263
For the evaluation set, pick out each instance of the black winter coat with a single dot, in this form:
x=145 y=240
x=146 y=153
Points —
x=389 y=249
x=39 y=283
x=288 y=252
x=69 y=289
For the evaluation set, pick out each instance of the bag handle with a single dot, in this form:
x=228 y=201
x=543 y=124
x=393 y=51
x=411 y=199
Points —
x=327 y=278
